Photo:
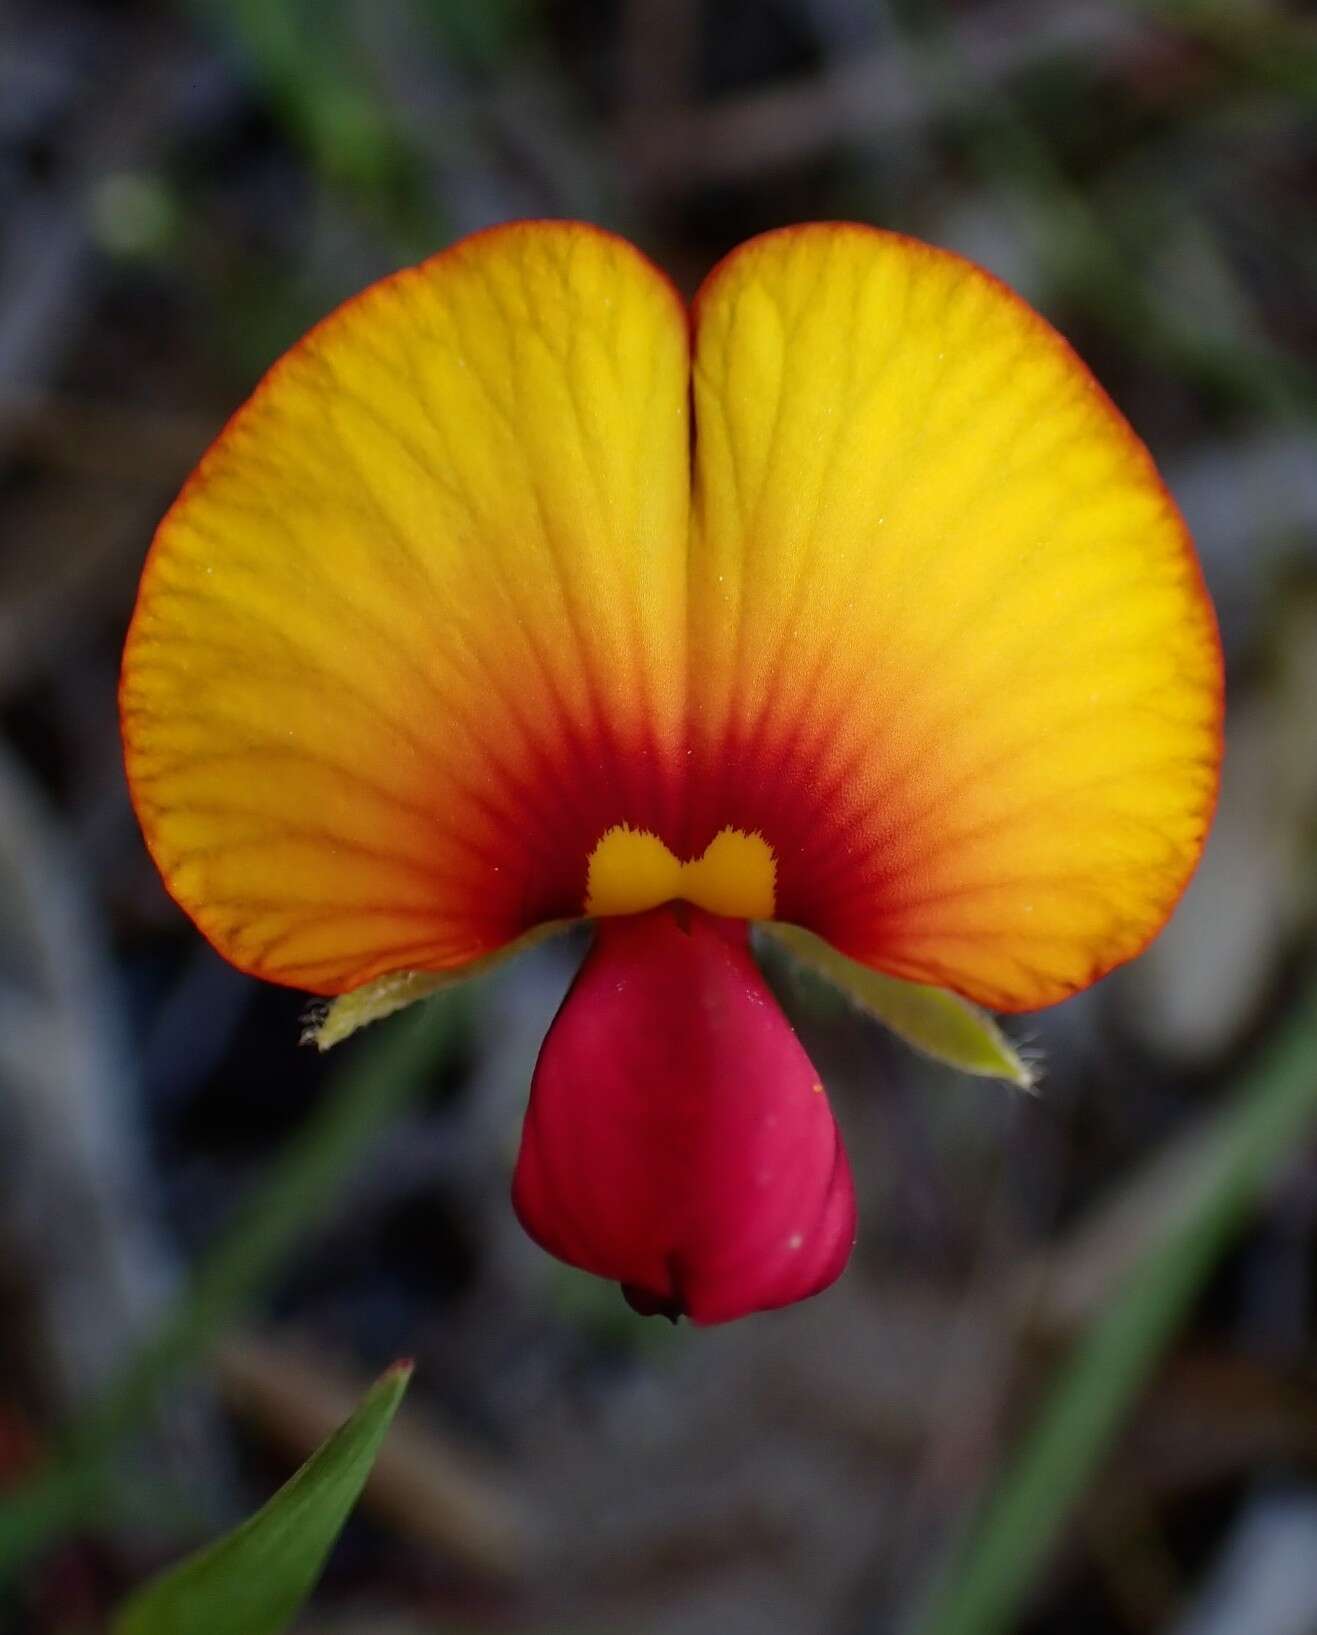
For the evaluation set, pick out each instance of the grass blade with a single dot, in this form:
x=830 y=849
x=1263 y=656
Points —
x=376 y=1081
x=255 y=1580
x=1273 y=1108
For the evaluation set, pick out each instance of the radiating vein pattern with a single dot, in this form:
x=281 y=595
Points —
x=450 y=601
x=955 y=659
x=413 y=635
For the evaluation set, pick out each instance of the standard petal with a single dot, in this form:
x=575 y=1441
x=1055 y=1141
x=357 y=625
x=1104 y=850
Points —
x=413 y=636
x=951 y=652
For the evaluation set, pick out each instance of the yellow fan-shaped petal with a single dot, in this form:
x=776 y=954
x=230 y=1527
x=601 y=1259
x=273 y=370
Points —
x=413 y=636
x=951 y=653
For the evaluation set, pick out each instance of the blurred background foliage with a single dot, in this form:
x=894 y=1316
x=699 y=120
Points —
x=1070 y=1382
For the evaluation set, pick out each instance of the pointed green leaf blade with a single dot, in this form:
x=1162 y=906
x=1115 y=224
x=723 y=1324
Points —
x=255 y=1580
x=938 y=1023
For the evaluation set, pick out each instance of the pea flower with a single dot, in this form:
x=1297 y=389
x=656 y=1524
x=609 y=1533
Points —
x=518 y=594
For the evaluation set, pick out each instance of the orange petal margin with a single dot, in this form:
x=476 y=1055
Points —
x=435 y=616
x=951 y=652
x=414 y=634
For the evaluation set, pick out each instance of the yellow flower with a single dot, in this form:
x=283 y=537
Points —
x=517 y=594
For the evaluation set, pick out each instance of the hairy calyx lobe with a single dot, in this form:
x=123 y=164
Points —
x=678 y=1139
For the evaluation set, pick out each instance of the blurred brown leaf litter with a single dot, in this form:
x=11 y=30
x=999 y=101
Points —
x=183 y=187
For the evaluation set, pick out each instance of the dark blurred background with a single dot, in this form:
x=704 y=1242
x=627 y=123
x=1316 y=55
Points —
x=210 y=1239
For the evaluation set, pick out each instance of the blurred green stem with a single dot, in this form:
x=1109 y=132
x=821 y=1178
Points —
x=1270 y=1113
x=1263 y=43
x=317 y=79
x=1078 y=249
x=381 y=1077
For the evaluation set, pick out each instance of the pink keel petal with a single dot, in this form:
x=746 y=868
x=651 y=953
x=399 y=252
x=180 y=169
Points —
x=678 y=1139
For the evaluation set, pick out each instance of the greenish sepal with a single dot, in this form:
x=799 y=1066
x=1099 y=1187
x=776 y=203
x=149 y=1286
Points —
x=329 y=1022
x=932 y=1020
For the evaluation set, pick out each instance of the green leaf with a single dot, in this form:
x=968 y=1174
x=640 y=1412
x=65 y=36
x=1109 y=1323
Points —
x=940 y=1024
x=255 y=1580
x=374 y=1081
x=1268 y=1117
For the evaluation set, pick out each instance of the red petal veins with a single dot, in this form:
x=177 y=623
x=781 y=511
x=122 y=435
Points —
x=505 y=558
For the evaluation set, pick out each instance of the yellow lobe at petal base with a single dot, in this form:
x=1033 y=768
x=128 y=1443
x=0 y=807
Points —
x=632 y=871
x=413 y=635
x=955 y=660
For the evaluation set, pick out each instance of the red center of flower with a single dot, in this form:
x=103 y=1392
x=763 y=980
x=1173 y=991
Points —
x=678 y=1139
